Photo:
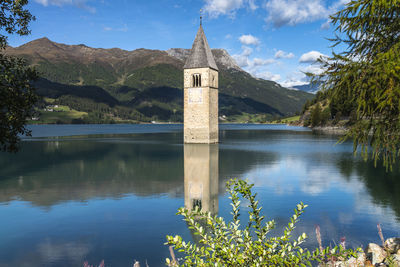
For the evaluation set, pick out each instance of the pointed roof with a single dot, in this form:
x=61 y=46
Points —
x=200 y=55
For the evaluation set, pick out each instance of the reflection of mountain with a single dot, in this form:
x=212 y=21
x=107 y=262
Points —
x=382 y=186
x=78 y=169
x=46 y=173
x=201 y=176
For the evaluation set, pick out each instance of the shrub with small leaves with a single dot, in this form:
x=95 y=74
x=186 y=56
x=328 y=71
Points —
x=231 y=244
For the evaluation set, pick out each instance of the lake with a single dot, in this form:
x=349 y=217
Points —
x=112 y=191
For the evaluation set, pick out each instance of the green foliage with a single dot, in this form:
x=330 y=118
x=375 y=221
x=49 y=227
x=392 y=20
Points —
x=325 y=115
x=337 y=117
x=367 y=74
x=14 y=18
x=231 y=244
x=316 y=115
x=17 y=95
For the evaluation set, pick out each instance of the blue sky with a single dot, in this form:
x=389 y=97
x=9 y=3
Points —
x=272 y=39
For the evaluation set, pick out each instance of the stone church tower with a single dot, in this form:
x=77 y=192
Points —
x=200 y=93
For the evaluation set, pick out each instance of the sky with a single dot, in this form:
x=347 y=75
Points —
x=276 y=40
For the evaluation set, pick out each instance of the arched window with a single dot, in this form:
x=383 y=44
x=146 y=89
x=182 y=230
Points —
x=196 y=78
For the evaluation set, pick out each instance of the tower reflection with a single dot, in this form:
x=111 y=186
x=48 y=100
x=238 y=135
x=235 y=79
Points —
x=201 y=176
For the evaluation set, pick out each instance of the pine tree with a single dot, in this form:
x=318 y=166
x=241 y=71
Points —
x=367 y=73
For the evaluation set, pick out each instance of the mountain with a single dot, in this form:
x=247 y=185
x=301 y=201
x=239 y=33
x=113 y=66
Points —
x=146 y=84
x=312 y=88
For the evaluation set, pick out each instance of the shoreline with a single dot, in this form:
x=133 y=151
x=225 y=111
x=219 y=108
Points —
x=334 y=130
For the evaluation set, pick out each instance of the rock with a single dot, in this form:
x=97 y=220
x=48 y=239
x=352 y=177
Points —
x=355 y=262
x=392 y=244
x=396 y=259
x=378 y=253
x=333 y=264
x=393 y=260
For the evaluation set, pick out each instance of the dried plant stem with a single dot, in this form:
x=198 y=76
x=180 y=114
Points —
x=380 y=234
x=318 y=234
x=171 y=252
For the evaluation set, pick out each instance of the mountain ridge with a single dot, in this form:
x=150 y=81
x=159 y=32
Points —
x=126 y=75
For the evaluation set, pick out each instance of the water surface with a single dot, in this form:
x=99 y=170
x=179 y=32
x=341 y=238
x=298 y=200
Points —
x=111 y=191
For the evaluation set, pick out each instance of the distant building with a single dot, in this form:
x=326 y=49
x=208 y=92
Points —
x=200 y=93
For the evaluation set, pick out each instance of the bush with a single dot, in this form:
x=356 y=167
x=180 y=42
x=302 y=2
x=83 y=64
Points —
x=222 y=244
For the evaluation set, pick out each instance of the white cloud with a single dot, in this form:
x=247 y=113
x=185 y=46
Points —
x=313 y=68
x=222 y=7
x=78 y=3
x=228 y=36
x=292 y=83
x=121 y=29
x=326 y=25
x=295 y=78
x=257 y=67
x=252 y=5
x=293 y=12
x=214 y=8
x=243 y=60
x=262 y=62
x=269 y=76
x=249 y=40
x=299 y=77
x=283 y=54
x=311 y=57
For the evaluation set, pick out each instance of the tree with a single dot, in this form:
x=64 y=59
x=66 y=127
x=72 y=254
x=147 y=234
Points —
x=17 y=95
x=316 y=115
x=367 y=74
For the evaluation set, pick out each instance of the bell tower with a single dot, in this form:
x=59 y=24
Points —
x=200 y=93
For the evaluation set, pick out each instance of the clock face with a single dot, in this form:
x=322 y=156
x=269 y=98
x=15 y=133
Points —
x=195 y=95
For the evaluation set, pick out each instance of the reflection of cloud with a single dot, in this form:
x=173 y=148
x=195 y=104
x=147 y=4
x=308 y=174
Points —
x=315 y=184
x=290 y=175
x=52 y=252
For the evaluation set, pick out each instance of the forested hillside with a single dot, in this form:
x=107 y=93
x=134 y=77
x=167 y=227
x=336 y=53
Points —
x=144 y=85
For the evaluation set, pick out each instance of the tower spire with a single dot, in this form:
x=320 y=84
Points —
x=201 y=16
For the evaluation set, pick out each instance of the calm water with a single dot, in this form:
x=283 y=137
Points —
x=111 y=191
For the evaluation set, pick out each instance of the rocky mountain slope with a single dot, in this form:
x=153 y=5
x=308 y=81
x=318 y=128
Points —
x=145 y=84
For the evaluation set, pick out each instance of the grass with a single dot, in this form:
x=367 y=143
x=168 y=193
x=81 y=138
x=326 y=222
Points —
x=248 y=118
x=62 y=114
x=286 y=120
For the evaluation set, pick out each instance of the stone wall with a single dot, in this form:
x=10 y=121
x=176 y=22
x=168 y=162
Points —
x=201 y=107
